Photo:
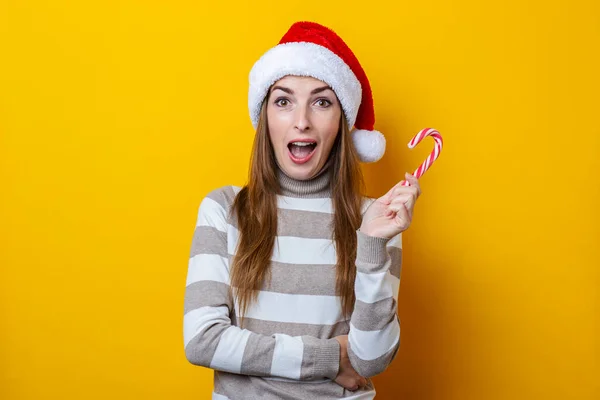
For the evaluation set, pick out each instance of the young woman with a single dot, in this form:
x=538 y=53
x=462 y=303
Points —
x=293 y=279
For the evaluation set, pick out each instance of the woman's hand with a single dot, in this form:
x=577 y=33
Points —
x=392 y=213
x=347 y=376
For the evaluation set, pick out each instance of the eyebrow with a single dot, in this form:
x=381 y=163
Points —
x=290 y=91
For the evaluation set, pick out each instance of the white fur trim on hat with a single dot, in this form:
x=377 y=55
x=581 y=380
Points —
x=370 y=145
x=304 y=59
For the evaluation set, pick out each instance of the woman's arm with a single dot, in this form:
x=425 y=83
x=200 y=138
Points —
x=374 y=336
x=210 y=340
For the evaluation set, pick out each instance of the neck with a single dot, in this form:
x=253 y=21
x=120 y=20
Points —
x=314 y=187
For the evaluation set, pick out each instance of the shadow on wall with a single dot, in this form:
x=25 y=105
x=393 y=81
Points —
x=431 y=344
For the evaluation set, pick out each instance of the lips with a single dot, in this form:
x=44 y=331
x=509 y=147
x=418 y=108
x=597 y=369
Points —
x=301 y=150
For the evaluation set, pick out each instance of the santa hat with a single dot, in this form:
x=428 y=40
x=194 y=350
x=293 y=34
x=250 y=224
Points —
x=311 y=49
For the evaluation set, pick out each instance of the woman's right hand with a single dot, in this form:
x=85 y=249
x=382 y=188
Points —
x=347 y=376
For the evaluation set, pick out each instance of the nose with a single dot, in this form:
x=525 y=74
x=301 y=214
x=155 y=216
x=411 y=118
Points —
x=302 y=122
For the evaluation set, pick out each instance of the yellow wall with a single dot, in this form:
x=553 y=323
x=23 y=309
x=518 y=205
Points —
x=116 y=117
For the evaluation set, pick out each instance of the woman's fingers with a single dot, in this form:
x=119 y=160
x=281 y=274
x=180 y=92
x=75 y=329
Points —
x=361 y=384
x=399 y=189
x=402 y=211
x=414 y=182
x=406 y=200
x=390 y=194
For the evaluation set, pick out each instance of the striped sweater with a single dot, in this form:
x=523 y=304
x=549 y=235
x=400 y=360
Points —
x=287 y=349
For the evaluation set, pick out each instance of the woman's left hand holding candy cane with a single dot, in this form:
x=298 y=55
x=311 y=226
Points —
x=392 y=213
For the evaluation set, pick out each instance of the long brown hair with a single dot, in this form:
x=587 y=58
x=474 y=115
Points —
x=255 y=208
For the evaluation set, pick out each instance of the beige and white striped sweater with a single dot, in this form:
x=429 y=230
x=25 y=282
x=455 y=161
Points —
x=287 y=348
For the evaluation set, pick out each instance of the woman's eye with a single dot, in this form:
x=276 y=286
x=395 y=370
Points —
x=281 y=102
x=323 y=102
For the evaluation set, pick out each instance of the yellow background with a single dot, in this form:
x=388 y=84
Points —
x=116 y=117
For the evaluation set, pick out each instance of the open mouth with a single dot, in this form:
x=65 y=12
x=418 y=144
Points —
x=301 y=150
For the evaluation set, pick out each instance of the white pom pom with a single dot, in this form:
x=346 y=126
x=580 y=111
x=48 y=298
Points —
x=370 y=145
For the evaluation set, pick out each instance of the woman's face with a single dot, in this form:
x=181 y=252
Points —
x=303 y=116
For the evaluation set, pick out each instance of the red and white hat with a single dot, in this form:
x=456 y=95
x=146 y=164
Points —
x=311 y=49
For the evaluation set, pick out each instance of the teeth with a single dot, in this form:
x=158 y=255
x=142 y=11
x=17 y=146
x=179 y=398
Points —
x=302 y=143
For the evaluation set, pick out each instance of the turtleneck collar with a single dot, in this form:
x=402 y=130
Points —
x=315 y=187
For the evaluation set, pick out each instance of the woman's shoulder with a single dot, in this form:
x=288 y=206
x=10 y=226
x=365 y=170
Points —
x=223 y=195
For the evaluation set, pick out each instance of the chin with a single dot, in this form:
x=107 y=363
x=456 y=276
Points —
x=301 y=172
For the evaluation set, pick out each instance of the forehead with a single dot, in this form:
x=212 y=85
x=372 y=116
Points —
x=299 y=82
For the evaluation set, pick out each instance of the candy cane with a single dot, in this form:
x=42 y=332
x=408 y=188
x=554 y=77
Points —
x=434 y=154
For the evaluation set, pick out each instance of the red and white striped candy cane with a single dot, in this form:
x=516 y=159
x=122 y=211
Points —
x=434 y=154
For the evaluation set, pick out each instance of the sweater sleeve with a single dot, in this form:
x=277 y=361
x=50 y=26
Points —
x=374 y=335
x=210 y=339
